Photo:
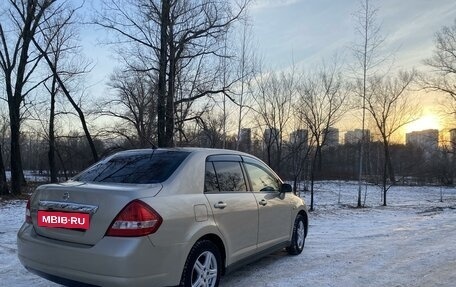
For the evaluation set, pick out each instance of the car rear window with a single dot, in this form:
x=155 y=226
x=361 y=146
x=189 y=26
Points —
x=140 y=167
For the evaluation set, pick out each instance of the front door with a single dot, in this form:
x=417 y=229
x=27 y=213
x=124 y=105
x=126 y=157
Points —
x=274 y=207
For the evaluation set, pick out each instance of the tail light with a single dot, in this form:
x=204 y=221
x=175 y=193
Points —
x=28 y=216
x=136 y=219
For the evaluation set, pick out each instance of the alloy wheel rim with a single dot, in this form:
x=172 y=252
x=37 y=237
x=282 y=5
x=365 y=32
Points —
x=204 y=273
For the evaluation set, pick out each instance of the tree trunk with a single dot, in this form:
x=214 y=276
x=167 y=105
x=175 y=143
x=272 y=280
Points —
x=81 y=118
x=278 y=157
x=84 y=125
x=3 y=183
x=320 y=160
x=62 y=163
x=312 y=176
x=14 y=104
x=385 y=171
x=295 y=183
x=51 y=152
x=171 y=89
x=388 y=171
x=163 y=61
x=17 y=174
x=390 y=166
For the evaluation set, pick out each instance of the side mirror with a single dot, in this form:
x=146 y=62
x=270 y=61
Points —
x=286 y=188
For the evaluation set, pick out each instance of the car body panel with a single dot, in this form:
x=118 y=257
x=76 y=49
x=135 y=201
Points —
x=271 y=218
x=237 y=222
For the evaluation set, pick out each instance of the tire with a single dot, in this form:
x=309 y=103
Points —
x=299 y=236
x=203 y=266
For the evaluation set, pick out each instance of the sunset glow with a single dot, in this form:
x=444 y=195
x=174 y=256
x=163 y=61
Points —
x=424 y=123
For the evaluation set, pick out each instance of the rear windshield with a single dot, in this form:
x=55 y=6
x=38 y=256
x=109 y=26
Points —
x=139 y=167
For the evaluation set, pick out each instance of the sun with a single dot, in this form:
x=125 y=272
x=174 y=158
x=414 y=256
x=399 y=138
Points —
x=426 y=122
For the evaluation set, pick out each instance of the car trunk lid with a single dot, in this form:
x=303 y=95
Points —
x=102 y=203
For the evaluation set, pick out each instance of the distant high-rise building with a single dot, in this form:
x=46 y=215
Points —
x=245 y=140
x=355 y=136
x=270 y=136
x=332 y=137
x=427 y=140
x=299 y=137
x=453 y=139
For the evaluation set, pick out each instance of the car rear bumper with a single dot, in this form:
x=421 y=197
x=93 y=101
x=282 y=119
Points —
x=113 y=261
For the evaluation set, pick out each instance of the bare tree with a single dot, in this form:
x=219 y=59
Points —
x=299 y=150
x=211 y=132
x=190 y=121
x=389 y=105
x=321 y=106
x=60 y=39
x=175 y=38
x=442 y=77
x=57 y=38
x=274 y=98
x=18 y=62
x=366 y=53
x=133 y=104
x=247 y=66
x=53 y=91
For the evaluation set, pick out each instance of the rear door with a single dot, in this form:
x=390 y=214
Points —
x=234 y=208
x=274 y=207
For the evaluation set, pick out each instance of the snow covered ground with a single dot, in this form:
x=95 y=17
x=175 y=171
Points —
x=31 y=175
x=411 y=242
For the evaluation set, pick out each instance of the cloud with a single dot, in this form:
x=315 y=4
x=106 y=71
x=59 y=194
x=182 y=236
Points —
x=411 y=32
x=268 y=4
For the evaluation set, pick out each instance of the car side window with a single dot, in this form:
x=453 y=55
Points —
x=224 y=176
x=261 y=180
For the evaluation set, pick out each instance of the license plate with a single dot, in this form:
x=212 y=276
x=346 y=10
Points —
x=70 y=220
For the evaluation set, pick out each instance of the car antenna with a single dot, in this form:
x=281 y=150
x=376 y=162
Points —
x=154 y=146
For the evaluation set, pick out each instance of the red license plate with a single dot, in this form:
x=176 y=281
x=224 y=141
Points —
x=69 y=220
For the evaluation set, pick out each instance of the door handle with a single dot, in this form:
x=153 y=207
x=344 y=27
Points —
x=263 y=202
x=220 y=205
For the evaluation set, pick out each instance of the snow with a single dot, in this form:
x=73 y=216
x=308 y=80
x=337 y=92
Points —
x=31 y=175
x=12 y=214
x=411 y=242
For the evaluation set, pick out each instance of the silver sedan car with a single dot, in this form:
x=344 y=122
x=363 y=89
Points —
x=160 y=217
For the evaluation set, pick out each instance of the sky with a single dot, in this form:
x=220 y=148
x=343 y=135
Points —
x=307 y=32
x=312 y=30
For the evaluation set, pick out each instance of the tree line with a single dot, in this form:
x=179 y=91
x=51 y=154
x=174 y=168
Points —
x=189 y=74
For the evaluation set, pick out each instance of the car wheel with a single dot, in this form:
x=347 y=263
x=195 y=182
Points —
x=299 y=236
x=203 y=266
